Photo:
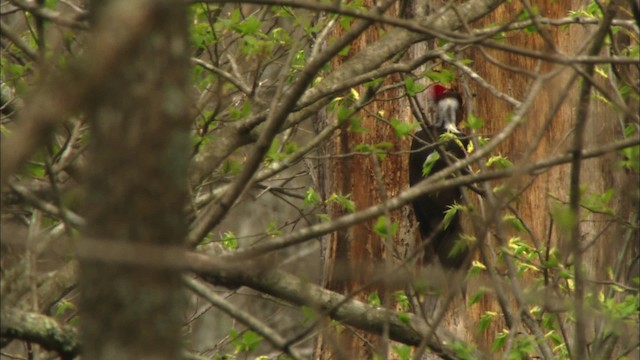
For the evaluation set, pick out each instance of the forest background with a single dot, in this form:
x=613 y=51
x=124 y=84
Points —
x=229 y=179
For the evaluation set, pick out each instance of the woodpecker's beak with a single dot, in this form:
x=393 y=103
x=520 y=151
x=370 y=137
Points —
x=451 y=127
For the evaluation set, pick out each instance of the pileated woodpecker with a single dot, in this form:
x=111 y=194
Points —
x=429 y=151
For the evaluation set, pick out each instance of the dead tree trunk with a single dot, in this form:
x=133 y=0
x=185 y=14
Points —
x=603 y=239
x=370 y=165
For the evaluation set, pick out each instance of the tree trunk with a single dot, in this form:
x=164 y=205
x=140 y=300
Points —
x=136 y=184
x=354 y=257
x=542 y=196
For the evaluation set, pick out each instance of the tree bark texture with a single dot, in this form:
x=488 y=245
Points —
x=136 y=182
x=357 y=255
x=602 y=237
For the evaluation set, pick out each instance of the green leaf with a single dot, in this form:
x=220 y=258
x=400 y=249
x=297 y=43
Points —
x=240 y=113
x=451 y=213
x=280 y=36
x=459 y=247
x=273 y=154
x=375 y=82
x=521 y=348
x=353 y=94
x=229 y=241
x=500 y=36
x=272 y=229
x=554 y=259
x=62 y=306
x=447 y=136
x=343 y=113
x=429 y=163
x=36 y=169
x=311 y=197
x=344 y=51
x=555 y=338
x=548 y=321
x=514 y=222
x=50 y=4
x=630 y=131
x=443 y=76
x=355 y=125
x=525 y=15
x=402 y=299
x=565 y=274
x=520 y=247
x=381 y=149
x=404 y=318
x=477 y=296
x=402 y=128
x=248 y=26
x=347 y=204
x=289 y=148
x=500 y=341
x=598 y=202
x=202 y=35
x=631 y=155
x=591 y=10
x=299 y=60
x=248 y=342
x=500 y=162
x=364 y=148
x=381 y=228
x=464 y=350
x=254 y=44
x=631 y=158
x=474 y=122
x=411 y=87
x=283 y=11
x=485 y=320
x=373 y=299
x=403 y=352
x=476 y=267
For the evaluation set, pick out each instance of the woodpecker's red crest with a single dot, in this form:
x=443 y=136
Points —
x=437 y=92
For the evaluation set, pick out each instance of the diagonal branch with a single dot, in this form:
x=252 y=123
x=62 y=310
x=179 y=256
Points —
x=403 y=327
x=409 y=195
x=244 y=317
x=215 y=212
x=408 y=328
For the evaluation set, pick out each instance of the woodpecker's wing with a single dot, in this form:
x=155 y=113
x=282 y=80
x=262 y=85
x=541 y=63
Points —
x=430 y=209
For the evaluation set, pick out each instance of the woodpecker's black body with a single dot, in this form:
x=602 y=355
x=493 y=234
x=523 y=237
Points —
x=430 y=208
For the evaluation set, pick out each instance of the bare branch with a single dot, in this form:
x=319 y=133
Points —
x=249 y=320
